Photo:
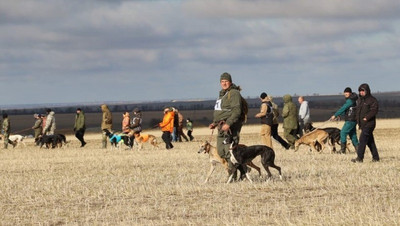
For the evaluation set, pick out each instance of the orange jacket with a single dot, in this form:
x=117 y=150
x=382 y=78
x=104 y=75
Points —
x=168 y=122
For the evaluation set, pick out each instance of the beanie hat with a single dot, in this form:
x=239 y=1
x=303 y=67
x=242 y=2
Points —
x=263 y=95
x=226 y=76
x=347 y=90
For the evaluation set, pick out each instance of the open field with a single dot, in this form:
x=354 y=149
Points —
x=93 y=186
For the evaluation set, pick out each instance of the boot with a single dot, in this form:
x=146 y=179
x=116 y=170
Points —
x=355 y=148
x=342 y=148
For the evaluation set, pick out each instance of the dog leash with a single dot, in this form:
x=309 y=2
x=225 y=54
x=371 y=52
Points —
x=22 y=130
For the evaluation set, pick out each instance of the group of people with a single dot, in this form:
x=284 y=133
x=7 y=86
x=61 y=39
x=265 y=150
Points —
x=358 y=109
x=172 y=127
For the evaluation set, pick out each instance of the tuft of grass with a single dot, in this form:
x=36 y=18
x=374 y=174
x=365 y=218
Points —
x=90 y=185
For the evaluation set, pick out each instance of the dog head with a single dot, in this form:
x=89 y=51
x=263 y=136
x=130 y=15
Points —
x=204 y=147
x=107 y=133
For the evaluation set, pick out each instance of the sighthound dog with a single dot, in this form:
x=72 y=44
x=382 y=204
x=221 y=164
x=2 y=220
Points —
x=117 y=139
x=141 y=138
x=241 y=155
x=334 y=133
x=56 y=140
x=207 y=148
x=312 y=139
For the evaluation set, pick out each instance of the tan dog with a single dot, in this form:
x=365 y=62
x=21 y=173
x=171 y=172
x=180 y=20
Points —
x=141 y=138
x=206 y=147
x=311 y=139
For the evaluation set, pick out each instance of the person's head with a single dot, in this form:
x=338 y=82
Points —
x=36 y=115
x=136 y=110
x=263 y=96
x=347 y=92
x=225 y=80
x=78 y=110
x=5 y=115
x=301 y=99
x=364 y=90
x=125 y=114
x=188 y=120
x=48 y=110
x=167 y=109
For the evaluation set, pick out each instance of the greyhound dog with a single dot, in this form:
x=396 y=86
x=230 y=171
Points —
x=207 y=148
x=312 y=139
x=241 y=155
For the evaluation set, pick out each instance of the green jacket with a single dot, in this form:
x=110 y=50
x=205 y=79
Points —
x=6 y=125
x=289 y=113
x=230 y=107
x=37 y=127
x=79 y=121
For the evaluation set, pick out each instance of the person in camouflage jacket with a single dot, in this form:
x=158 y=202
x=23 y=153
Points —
x=290 y=120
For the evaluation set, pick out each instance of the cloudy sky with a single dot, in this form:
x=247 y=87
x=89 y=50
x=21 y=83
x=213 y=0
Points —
x=57 y=51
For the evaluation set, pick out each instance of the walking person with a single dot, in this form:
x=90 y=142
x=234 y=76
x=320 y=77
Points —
x=349 y=128
x=106 y=123
x=37 y=127
x=6 y=126
x=50 y=127
x=275 y=125
x=290 y=120
x=304 y=114
x=126 y=123
x=367 y=109
x=189 y=128
x=227 y=117
x=167 y=126
x=266 y=116
x=136 y=124
x=175 y=134
x=180 y=132
x=80 y=126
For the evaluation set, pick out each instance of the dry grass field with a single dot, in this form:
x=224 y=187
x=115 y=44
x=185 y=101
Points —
x=93 y=186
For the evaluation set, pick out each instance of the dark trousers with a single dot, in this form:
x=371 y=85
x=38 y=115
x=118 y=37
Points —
x=181 y=134
x=79 y=134
x=275 y=135
x=367 y=139
x=166 y=137
x=189 y=133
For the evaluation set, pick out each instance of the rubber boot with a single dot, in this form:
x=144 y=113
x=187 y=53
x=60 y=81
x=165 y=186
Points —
x=342 y=148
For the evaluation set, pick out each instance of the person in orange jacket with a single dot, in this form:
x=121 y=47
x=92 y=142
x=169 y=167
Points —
x=167 y=126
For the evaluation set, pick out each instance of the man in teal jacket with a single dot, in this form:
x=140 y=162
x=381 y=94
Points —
x=349 y=128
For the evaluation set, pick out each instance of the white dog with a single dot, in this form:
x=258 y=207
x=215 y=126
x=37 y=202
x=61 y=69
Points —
x=15 y=139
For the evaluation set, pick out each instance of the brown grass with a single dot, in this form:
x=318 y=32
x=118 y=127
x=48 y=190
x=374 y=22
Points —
x=159 y=187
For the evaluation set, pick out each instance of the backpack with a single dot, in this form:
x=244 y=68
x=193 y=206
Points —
x=244 y=106
x=245 y=109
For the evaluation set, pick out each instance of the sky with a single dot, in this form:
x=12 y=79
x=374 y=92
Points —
x=59 y=51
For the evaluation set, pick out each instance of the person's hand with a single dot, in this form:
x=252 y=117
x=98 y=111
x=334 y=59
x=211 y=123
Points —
x=365 y=119
x=332 y=118
x=156 y=126
x=225 y=127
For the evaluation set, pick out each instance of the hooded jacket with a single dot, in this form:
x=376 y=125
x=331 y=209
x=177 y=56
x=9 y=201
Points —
x=367 y=107
x=106 y=122
x=50 y=126
x=289 y=113
x=349 y=108
x=231 y=106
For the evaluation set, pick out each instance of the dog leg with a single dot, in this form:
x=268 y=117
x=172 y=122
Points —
x=212 y=167
x=248 y=177
x=251 y=164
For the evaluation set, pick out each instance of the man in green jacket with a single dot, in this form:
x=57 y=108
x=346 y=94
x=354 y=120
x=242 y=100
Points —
x=349 y=128
x=290 y=120
x=37 y=127
x=227 y=114
x=80 y=127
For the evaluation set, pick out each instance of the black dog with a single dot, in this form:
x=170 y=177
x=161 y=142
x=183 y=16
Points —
x=56 y=140
x=116 y=139
x=334 y=134
x=241 y=155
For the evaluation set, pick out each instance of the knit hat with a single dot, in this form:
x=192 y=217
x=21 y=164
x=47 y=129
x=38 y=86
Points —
x=226 y=76
x=347 y=90
x=263 y=95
